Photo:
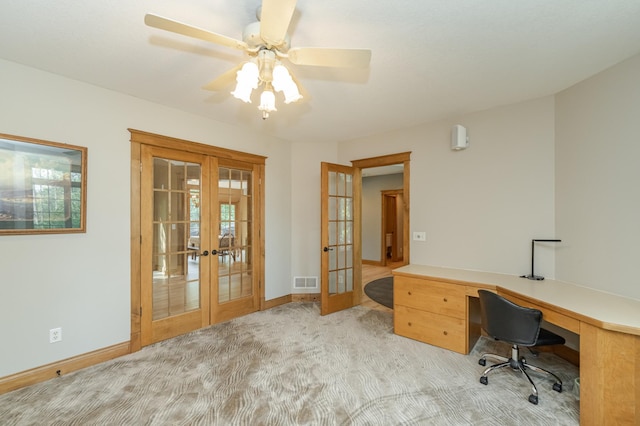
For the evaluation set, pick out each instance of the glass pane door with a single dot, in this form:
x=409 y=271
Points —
x=174 y=263
x=234 y=237
x=340 y=193
x=200 y=254
x=176 y=225
x=339 y=238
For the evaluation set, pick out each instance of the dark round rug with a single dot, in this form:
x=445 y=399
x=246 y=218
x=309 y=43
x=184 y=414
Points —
x=381 y=291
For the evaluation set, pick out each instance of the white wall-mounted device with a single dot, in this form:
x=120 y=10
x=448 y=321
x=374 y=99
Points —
x=459 y=138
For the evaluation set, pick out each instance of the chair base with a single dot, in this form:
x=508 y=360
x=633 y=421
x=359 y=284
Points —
x=519 y=363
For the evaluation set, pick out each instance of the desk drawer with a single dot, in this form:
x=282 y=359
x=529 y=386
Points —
x=438 y=330
x=432 y=296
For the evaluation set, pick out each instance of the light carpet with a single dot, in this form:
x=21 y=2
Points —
x=291 y=366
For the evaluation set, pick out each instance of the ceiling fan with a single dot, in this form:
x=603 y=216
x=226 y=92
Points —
x=267 y=44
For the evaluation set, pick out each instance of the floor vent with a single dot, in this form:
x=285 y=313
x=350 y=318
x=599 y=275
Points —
x=305 y=282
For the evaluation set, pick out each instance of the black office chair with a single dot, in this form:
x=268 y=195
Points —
x=519 y=326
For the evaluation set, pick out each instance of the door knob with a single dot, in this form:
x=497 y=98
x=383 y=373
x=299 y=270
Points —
x=327 y=249
x=205 y=253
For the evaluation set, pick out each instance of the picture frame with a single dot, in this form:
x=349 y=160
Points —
x=43 y=186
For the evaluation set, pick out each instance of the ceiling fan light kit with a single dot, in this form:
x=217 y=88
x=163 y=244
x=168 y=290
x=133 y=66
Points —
x=268 y=72
x=266 y=42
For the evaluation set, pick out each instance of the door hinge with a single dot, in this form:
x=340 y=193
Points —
x=141 y=167
x=140 y=310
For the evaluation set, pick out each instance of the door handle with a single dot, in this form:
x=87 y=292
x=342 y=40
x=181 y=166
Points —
x=205 y=253
x=214 y=252
x=327 y=249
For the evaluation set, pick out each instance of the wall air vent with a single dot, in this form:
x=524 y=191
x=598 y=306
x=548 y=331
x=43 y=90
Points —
x=305 y=282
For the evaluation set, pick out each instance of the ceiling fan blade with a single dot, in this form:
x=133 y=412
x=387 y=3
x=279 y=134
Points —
x=223 y=80
x=303 y=91
x=274 y=20
x=322 y=57
x=191 y=31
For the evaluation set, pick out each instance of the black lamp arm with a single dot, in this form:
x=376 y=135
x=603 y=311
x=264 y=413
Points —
x=533 y=276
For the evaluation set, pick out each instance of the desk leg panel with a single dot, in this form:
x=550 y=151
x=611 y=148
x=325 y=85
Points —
x=609 y=377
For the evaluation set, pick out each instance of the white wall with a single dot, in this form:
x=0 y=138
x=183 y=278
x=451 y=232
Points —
x=479 y=207
x=598 y=176
x=372 y=212
x=305 y=209
x=80 y=282
x=278 y=219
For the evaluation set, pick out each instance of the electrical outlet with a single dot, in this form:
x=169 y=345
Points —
x=55 y=335
x=419 y=236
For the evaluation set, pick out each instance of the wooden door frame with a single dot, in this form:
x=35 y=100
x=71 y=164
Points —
x=139 y=138
x=403 y=158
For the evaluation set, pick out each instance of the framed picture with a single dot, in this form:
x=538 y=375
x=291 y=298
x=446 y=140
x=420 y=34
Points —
x=42 y=186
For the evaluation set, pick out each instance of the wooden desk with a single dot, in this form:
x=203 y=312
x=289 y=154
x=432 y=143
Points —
x=436 y=305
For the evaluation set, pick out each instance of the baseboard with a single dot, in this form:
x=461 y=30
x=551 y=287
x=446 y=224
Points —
x=290 y=298
x=272 y=303
x=59 y=368
x=305 y=297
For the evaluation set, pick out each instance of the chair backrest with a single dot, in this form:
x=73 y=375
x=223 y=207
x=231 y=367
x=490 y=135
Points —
x=506 y=321
x=227 y=240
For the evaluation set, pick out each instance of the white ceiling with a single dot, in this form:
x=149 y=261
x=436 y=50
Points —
x=431 y=59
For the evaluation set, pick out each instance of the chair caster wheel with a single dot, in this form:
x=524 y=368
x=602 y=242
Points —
x=484 y=380
x=533 y=399
x=482 y=362
x=557 y=387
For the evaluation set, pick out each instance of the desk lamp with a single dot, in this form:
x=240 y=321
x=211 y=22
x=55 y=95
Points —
x=533 y=276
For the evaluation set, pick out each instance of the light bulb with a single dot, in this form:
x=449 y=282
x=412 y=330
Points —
x=247 y=78
x=267 y=101
x=281 y=77
x=291 y=93
x=283 y=82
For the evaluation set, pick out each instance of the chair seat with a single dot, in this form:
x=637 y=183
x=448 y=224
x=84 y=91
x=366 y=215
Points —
x=546 y=337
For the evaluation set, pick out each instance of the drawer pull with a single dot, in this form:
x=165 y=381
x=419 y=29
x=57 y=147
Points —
x=409 y=324
x=445 y=299
x=409 y=293
x=445 y=333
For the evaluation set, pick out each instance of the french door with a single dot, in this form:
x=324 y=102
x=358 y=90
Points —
x=235 y=236
x=199 y=254
x=175 y=284
x=340 y=238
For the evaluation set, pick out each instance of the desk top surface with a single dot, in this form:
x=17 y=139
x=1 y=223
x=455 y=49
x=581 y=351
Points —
x=611 y=311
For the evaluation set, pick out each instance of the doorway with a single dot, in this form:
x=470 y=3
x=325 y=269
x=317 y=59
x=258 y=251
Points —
x=341 y=229
x=392 y=226
x=393 y=216
x=196 y=243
